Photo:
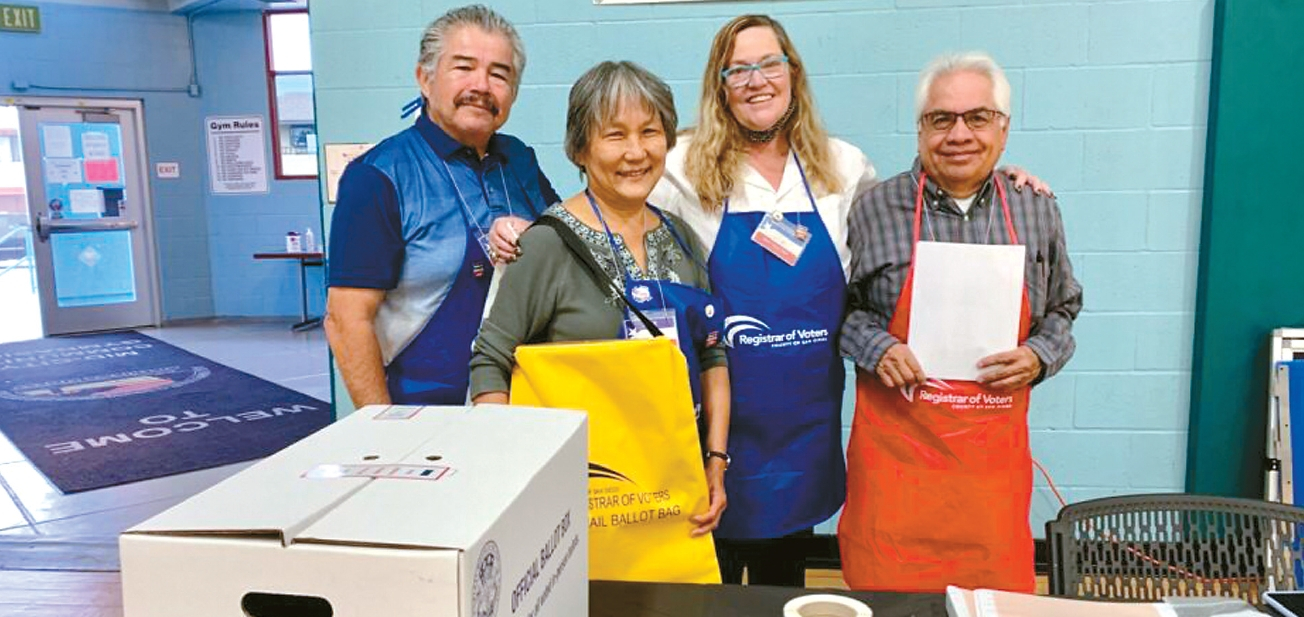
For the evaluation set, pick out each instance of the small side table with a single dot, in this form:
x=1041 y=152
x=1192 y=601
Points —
x=305 y=260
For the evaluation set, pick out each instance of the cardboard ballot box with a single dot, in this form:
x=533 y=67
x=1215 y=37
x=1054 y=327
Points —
x=393 y=511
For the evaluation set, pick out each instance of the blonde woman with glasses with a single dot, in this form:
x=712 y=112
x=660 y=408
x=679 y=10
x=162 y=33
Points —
x=767 y=192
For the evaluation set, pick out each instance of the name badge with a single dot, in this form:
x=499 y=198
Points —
x=664 y=319
x=483 y=239
x=781 y=238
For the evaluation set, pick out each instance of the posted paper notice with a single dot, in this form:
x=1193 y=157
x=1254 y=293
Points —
x=237 y=155
x=338 y=157
x=63 y=171
x=95 y=145
x=86 y=201
x=103 y=171
x=965 y=305
x=56 y=140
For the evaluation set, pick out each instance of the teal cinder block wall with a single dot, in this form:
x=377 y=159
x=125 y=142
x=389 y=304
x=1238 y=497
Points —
x=232 y=62
x=1110 y=105
x=205 y=242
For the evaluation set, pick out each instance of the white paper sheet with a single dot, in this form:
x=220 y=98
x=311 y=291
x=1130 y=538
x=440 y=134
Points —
x=57 y=140
x=237 y=160
x=965 y=306
x=63 y=171
x=338 y=157
x=95 y=145
x=86 y=201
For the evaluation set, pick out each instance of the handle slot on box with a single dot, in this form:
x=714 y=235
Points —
x=262 y=604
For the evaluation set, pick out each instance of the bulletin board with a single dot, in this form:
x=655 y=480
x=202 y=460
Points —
x=1251 y=276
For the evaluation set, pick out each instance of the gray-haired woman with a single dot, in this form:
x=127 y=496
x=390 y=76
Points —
x=619 y=126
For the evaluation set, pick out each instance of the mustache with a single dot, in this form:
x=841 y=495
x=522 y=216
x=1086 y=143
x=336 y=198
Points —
x=482 y=100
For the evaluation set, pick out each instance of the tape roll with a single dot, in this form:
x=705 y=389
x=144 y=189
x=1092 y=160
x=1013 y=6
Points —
x=825 y=605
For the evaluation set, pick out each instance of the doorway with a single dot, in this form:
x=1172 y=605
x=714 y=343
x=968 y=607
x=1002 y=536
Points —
x=20 y=312
x=88 y=210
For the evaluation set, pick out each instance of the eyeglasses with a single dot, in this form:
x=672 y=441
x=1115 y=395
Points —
x=975 y=119
x=772 y=67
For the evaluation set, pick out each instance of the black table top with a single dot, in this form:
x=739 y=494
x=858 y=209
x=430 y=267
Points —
x=616 y=599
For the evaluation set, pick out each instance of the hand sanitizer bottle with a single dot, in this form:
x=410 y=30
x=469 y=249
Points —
x=309 y=241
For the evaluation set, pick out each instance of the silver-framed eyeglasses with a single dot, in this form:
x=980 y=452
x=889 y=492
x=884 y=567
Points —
x=770 y=67
x=976 y=119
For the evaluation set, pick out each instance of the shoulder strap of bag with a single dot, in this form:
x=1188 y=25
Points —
x=581 y=253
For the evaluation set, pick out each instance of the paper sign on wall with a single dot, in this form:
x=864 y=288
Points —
x=237 y=155
x=167 y=170
x=102 y=171
x=337 y=158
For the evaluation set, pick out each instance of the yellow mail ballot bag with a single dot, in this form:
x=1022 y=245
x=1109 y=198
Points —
x=646 y=476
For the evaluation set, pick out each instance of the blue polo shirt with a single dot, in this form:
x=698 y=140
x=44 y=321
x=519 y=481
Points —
x=402 y=213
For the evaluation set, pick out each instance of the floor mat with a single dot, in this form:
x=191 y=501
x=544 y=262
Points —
x=105 y=409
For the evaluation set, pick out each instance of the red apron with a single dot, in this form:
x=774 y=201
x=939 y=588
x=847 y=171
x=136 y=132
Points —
x=939 y=477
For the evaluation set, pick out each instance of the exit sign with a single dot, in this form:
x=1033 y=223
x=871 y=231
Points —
x=19 y=18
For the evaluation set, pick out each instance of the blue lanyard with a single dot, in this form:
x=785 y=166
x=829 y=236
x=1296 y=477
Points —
x=670 y=227
x=809 y=195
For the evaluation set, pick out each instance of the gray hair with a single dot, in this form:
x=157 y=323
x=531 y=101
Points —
x=972 y=61
x=597 y=95
x=479 y=16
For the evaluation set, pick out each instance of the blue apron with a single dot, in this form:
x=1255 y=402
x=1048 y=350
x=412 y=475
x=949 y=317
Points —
x=699 y=314
x=786 y=374
x=434 y=368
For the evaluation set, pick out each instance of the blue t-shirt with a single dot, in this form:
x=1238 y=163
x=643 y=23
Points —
x=400 y=224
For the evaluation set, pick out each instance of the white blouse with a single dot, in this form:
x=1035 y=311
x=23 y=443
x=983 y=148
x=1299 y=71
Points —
x=674 y=194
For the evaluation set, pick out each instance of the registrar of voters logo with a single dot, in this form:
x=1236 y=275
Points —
x=939 y=392
x=112 y=385
x=742 y=331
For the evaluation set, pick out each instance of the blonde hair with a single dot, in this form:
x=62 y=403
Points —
x=718 y=150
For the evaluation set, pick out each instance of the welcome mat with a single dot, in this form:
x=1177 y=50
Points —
x=98 y=410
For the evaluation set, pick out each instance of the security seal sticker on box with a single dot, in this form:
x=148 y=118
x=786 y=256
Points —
x=398 y=412
x=401 y=472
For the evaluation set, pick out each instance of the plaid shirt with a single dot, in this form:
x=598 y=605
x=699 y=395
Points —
x=880 y=240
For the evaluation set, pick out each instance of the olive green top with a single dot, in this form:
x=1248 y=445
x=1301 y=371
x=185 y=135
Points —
x=547 y=296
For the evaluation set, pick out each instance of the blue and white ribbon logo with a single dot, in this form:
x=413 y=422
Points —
x=735 y=325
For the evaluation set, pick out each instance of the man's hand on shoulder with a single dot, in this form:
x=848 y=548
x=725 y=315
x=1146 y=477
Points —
x=1009 y=370
x=504 y=237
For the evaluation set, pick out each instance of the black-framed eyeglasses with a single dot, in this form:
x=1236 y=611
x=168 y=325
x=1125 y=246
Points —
x=976 y=119
x=770 y=67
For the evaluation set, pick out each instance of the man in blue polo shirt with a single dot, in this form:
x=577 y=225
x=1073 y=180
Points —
x=422 y=218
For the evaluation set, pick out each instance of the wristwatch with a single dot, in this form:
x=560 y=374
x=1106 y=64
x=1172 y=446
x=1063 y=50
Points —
x=724 y=456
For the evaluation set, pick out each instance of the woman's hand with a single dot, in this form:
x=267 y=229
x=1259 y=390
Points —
x=709 y=520
x=1022 y=178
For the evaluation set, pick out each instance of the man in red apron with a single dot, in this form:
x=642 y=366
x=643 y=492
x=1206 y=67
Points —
x=939 y=473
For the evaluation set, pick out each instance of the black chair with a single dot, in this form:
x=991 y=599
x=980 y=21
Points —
x=1146 y=547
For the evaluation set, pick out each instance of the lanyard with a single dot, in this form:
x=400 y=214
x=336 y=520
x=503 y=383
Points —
x=615 y=254
x=461 y=199
x=805 y=184
x=1000 y=190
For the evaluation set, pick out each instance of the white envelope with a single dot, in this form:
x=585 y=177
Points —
x=965 y=305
